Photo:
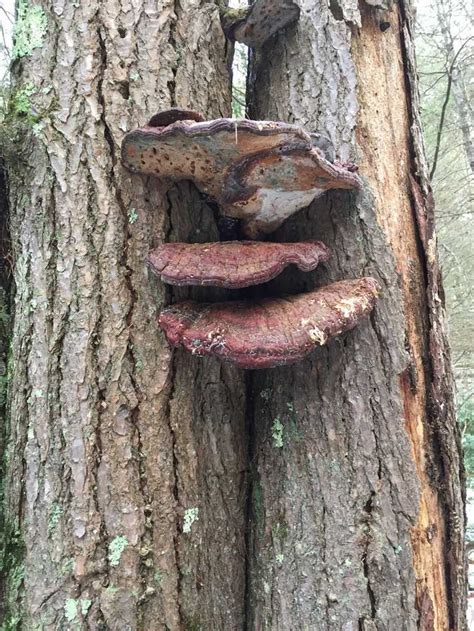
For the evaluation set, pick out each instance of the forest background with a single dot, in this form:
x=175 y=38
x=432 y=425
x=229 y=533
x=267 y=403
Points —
x=445 y=53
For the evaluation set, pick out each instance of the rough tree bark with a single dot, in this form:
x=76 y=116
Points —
x=149 y=490
x=112 y=439
x=373 y=532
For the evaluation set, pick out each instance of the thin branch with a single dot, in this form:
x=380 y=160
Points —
x=444 y=108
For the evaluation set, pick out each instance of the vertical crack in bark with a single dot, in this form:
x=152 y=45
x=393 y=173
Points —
x=172 y=378
x=174 y=45
x=101 y=402
x=336 y=10
x=324 y=556
x=368 y=509
x=146 y=539
x=250 y=474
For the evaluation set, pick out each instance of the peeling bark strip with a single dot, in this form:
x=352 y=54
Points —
x=234 y=264
x=444 y=427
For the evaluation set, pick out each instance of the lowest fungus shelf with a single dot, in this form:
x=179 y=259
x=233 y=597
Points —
x=234 y=264
x=272 y=332
x=261 y=172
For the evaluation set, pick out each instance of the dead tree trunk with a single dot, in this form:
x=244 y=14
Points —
x=371 y=523
x=150 y=490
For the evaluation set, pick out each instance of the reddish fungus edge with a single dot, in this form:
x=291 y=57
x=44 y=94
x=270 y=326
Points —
x=176 y=320
x=321 y=254
x=212 y=127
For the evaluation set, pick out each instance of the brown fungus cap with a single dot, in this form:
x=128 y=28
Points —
x=168 y=117
x=259 y=171
x=233 y=264
x=273 y=332
x=264 y=19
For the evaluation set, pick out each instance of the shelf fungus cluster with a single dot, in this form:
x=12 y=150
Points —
x=260 y=172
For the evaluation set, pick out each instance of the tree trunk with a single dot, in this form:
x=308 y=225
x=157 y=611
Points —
x=368 y=483
x=113 y=439
x=146 y=489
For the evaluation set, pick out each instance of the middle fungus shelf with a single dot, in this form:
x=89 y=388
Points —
x=260 y=172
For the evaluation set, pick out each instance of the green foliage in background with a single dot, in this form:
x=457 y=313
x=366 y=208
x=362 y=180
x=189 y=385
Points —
x=466 y=418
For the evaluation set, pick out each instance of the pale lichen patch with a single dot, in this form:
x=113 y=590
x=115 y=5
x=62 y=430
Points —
x=116 y=547
x=22 y=99
x=277 y=433
x=191 y=515
x=30 y=29
x=54 y=517
x=70 y=609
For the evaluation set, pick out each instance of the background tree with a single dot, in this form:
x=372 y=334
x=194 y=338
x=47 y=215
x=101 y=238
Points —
x=146 y=490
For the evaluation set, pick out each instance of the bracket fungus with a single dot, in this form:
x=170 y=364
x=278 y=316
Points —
x=272 y=332
x=233 y=264
x=263 y=19
x=259 y=171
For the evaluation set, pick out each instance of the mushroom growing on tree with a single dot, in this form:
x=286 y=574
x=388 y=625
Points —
x=234 y=264
x=259 y=171
x=261 y=20
x=272 y=332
